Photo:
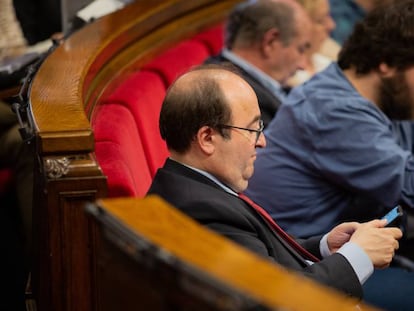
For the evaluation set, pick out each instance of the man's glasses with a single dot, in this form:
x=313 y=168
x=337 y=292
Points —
x=258 y=132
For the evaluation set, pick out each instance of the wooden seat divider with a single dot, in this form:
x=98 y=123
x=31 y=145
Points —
x=70 y=90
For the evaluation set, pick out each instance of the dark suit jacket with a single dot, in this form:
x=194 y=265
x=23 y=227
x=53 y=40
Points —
x=268 y=102
x=205 y=201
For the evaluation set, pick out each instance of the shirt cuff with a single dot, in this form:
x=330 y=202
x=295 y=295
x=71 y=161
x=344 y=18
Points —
x=355 y=255
x=358 y=259
x=323 y=246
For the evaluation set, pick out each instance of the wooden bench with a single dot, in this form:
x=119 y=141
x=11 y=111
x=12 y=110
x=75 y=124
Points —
x=94 y=104
x=155 y=258
x=78 y=99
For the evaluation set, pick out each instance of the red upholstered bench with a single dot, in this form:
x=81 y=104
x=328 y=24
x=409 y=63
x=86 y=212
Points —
x=128 y=145
x=5 y=181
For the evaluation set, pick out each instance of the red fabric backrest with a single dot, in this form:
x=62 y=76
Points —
x=128 y=145
x=212 y=38
x=119 y=151
x=142 y=93
x=178 y=60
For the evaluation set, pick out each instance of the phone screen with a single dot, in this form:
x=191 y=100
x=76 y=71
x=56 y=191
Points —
x=393 y=215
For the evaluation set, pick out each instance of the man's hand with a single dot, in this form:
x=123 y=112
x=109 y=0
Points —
x=341 y=234
x=378 y=242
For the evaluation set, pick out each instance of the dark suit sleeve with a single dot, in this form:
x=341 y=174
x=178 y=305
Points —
x=312 y=245
x=214 y=215
x=328 y=267
x=334 y=268
x=328 y=271
x=334 y=271
x=242 y=237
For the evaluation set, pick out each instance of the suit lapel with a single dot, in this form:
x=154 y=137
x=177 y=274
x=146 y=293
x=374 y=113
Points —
x=178 y=168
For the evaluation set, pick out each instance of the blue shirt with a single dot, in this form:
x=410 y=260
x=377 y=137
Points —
x=331 y=156
x=268 y=82
x=345 y=13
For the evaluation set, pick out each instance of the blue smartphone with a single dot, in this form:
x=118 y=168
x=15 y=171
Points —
x=393 y=216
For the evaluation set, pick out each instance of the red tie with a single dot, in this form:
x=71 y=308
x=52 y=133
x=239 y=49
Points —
x=279 y=230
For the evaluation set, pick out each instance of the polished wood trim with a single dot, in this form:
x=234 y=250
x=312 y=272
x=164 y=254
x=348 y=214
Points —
x=167 y=232
x=77 y=73
x=70 y=83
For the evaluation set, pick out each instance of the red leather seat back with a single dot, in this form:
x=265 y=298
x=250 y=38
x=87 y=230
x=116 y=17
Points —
x=128 y=145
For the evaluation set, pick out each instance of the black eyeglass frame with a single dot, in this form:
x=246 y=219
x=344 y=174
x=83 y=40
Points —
x=258 y=132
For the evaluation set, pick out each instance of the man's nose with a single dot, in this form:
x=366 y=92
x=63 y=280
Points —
x=302 y=62
x=330 y=24
x=261 y=142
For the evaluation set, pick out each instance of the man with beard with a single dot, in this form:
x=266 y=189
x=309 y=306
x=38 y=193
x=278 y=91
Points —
x=333 y=153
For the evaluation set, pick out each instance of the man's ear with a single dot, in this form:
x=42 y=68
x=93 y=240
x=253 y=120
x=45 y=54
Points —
x=386 y=71
x=206 y=137
x=270 y=37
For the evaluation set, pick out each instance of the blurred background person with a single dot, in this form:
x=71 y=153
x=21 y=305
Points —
x=14 y=155
x=38 y=19
x=266 y=40
x=346 y=13
x=12 y=41
x=322 y=25
x=333 y=151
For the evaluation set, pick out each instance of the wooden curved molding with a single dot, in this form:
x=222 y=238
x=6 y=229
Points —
x=74 y=79
x=87 y=64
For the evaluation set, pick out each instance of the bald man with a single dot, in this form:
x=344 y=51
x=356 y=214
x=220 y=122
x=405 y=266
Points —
x=211 y=122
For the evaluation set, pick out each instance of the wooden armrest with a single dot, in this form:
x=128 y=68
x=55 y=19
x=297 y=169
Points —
x=159 y=237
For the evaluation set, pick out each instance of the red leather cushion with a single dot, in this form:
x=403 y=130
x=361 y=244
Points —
x=129 y=147
x=212 y=38
x=178 y=60
x=119 y=151
x=143 y=93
